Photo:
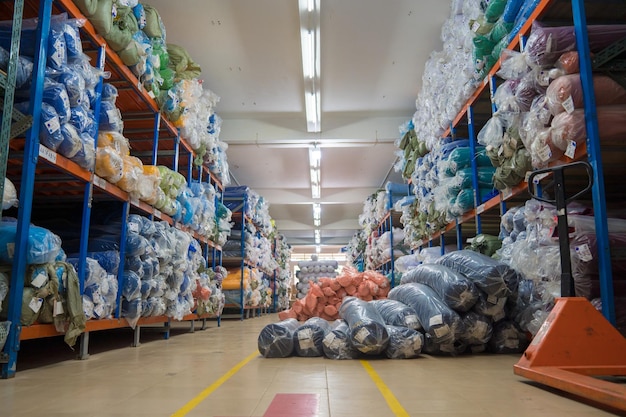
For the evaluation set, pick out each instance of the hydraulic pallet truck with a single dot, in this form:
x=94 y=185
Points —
x=576 y=350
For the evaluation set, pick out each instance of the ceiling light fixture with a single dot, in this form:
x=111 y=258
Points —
x=310 y=42
x=318 y=236
x=315 y=163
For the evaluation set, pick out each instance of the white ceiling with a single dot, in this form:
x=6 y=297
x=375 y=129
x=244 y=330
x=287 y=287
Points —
x=372 y=59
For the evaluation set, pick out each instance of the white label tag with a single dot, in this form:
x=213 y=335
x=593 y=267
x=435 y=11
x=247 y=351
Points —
x=99 y=310
x=480 y=209
x=112 y=114
x=492 y=299
x=133 y=227
x=58 y=308
x=47 y=154
x=568 y=105
x=53 y=125
x=571 y=149
x=157 y=213
x=475 y=26
x=417 y=343
x=435 y=320
x=545 y=153
x=442 y=331
x=151 y=94
x=507 y=193
x=329 y=339
x=35 y=304
x=539 y=177
x=511 y=343
x=361 y=335
x=99 y=182
x=411 y=320
x=480 y=329
x=39 y=280
x=10 y=249
x=584 y=253
x=544 y=78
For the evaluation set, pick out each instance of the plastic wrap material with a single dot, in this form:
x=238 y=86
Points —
x=337 y=344
x=276 y=340
x=569 y=62
x=493 y=277
x=507 y=338
x=566 y=93
x=9 y=195
x=5 y=326
x=458 y=292
x=567 y=128
x=478 y=328
x=43 y=246
x=404 y=343
x=546 y=44
x=309 y=336
x=396 y=313
x=367 y=328
x=441 y=322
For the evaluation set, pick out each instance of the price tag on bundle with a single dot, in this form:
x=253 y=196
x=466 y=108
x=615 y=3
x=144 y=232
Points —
x=58 y=308
x=584 y=253
x=570 y=152
x=35 y=304
x=133 y=227
x=545 y=153
x=39 y=280
x=480 y=209
x=568 y=105
x=99 y=182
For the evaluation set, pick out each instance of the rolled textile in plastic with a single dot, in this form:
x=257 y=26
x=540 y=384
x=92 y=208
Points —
x=546 y=44
x=337 y=343
x=569 y=62
x=493 y=277
x=367 y=327
x=43 y=246
x=404 y=343
x=450 y=347
x=566 y=128
x=276 y=339
x=490 y=306
x=507 y=338
x=5 y=327
x=478 y=328
x=396 y=313
x=309 y=336
x=565 y=93
x=457 y=291
x=440 y=321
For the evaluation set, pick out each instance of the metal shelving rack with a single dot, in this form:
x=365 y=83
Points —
x=473 y=115
x=154 y=139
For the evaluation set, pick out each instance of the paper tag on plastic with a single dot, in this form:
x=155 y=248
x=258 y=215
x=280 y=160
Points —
x=475 y=26
x=410 y=320
x=571 y=149
x=492 y=299
x=544 y=78
x=480 y=328
x=58 y=308
x=53 y=125
x=151 y=94
x=99 y=182
x=306 y=343
x=499 y=316
x=417 y=343
x=329 y=339
x=442 y=331
x=480 y=209
x=545 y=153
x=584 y=253
x=507 y=193
x=133 y=227
x=10 y=249
x=568 y=105
x=99 y=310
x=511 y=343
x=435 y=320
x=112 y=114
x=39 y=280
x=35 y=304
x=361 y=335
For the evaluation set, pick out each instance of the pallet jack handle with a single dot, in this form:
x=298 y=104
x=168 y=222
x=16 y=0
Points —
x=560 y=201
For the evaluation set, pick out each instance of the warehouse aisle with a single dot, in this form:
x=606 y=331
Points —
x=217 y=372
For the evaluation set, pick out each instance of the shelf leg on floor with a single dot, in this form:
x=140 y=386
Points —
x=136 y=336
x=167 y=326
x=83 y=351
x=203 y=324
x=192 y=328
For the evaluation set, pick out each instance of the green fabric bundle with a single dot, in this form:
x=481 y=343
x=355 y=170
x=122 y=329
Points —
x=485 y=244
x=461 y=158
x=122 y=29
x=494 y=10
x=102 y=18
x=154 y=25
x=182 y=64
x=513 y=171
x=87 y=7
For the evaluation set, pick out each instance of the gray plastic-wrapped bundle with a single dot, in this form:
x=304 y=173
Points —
x=451 y=347
x=307 y=338
x=507 y=338
x=490 y=306
x=404 y=343
x=493 y=277
x=367 y=327
x=478 y=328
x=458 y=292
x=396 y=313
x=337 y=344
x=441 y=322
x=276 y=339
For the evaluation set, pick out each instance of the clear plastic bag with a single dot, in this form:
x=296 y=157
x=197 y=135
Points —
x=566 y=94
x=276 y=340
x=404 y=343
x=309 y=336
x=396 y=313
x=367 y=328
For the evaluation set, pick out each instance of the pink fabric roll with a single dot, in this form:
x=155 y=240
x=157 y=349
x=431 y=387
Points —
x=568 y=127
x=566 y=93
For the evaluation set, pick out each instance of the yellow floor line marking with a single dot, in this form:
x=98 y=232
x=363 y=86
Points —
x=209 y=390
x=392 y=402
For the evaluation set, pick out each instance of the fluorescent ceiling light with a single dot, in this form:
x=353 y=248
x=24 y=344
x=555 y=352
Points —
x=317 y=222
x=317 y=211
x=310 y=43
x=318 y=236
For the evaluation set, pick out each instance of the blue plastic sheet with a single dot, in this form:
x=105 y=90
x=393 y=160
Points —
x=42 y=246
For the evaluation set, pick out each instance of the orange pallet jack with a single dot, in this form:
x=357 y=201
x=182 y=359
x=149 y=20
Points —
x=576 y=349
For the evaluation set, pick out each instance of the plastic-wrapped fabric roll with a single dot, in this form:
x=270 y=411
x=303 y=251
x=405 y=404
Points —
x=396 y=313
x=493 y=277
x=478 y=328
x=566 y=128
x=569 y=62
x=367 y=328
x=43 y=246
x=404 y=343
x=546 y=44
x=451 y=347
x=441 y=322
x=507 y=338
x=337 y=344
x=307 y=338
x=458 y=292
x=276 y=339
x=490 y=306
x=566 y=93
